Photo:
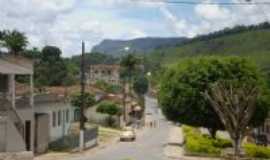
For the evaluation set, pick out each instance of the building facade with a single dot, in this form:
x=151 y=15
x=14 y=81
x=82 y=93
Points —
x=102 y=72
x=55 y=111
x=16 y=111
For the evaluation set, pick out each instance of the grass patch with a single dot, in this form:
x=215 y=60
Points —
x=107 y=134
x=198 y=144
x=255 y=151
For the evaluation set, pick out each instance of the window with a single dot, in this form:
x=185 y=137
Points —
x=54 y=119
x=3 y=83
x=67 y=116
x=59 y=118
x=109 y=72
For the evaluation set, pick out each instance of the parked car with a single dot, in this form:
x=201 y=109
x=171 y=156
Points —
x=128 y=134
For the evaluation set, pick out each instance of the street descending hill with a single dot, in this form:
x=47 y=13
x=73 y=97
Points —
x=251 y=41
x=140 y=45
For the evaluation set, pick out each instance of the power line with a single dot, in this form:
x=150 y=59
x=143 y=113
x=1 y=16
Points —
x=175 y=2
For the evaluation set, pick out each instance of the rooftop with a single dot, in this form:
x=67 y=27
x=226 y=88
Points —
x=15 y=65
x=105 y=66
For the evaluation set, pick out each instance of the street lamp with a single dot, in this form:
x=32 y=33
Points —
x=126 y=49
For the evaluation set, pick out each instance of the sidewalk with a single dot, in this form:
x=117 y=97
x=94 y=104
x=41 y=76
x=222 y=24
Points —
x=174 y=149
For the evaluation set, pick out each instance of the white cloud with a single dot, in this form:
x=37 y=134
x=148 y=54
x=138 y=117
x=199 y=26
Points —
x=215 y=17
x=66 y=22
x=212 y=12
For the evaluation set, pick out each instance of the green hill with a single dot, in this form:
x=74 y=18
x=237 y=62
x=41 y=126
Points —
x=254 y=44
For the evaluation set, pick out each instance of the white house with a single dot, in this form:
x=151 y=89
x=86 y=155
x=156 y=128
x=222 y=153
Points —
x=60 y=114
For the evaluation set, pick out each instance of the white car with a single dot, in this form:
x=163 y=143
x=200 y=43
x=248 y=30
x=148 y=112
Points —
x=128 y=134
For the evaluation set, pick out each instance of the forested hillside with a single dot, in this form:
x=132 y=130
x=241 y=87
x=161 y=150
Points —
x=251 y=41
x=140 y=45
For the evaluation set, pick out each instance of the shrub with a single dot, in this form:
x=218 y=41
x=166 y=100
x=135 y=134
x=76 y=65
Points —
x=222 y=143
x=110 y=108
x=255 y=151
x=196 y=143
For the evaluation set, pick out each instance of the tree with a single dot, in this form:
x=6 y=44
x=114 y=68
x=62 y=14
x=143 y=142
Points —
x=109 y=108
x=181 y=87
x=76 y=100
x=51 y=54
x=235 y=105
x=51 y=70
x=33 y=53
x=140 y=85
x=129 y=66
x=14 y=41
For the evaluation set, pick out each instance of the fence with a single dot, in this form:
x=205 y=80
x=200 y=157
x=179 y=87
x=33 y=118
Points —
x=71 y=142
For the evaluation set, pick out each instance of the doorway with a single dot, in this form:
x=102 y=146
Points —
x=28 y=135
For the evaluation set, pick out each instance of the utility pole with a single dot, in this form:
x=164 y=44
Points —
x=124 y=100
x=82 y=107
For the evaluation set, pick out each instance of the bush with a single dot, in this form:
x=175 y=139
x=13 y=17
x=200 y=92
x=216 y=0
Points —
x=255 y=151
x=197 y=143
x=222 y=143
x=110 y=108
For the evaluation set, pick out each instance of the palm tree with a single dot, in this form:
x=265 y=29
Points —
x=14 y=41
x=128 y=65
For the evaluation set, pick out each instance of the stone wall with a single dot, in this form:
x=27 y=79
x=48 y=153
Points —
x=16 y=156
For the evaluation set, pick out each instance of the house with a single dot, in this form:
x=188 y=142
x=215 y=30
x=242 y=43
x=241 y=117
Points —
x=264 y=129
x=54 y=116
x=16 y=111
x=103 y=72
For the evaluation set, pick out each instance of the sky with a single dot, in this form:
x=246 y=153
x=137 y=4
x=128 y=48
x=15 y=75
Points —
x=65 y=23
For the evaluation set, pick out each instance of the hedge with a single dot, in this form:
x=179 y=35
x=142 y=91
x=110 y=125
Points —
x=197 y=144
x=255 y=151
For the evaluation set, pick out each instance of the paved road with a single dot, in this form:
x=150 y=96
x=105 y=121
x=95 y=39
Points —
x=149 y=145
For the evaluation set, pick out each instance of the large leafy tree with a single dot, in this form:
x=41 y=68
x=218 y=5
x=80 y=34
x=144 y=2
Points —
x=14 y=41
x=182 y=86
x=51 y=70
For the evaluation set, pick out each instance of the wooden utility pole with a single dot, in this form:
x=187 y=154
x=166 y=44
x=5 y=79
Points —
x=82 y=107
x=124 y=100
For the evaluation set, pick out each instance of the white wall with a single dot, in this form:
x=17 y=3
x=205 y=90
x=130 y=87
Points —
x=27 y=114
x=57 y=131
x=15 y=140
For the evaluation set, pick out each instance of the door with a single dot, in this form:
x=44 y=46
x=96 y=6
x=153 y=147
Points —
x=28 y=135
x=42 y=138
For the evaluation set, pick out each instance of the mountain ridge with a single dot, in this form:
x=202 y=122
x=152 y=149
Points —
x=141 y=45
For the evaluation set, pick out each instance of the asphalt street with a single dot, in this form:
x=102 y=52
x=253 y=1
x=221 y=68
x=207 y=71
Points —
x=150 y=142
